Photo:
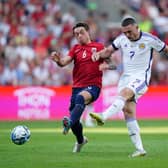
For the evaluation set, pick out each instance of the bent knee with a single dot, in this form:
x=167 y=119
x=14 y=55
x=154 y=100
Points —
x=127 y=93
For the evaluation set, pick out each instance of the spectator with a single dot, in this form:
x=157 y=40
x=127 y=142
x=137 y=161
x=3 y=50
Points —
x=34 y=29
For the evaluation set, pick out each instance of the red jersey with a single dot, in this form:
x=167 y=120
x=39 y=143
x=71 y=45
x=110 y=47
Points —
x=86 y=72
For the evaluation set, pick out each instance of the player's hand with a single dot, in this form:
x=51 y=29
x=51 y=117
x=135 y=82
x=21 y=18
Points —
x=55 y=56
x=95 y=57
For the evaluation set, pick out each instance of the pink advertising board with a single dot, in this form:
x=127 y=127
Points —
x=34 y=103
x=50 y=103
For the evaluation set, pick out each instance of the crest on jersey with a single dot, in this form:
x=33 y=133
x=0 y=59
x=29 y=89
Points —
x=94 y=49
x=142 y=46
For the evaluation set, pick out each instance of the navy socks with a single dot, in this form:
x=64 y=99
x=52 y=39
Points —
x=76 y=113
x=77 y=110
x=77 y=130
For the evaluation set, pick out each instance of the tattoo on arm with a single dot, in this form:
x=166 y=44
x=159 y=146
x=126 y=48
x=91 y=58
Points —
x=112 y=66
x=164 y=53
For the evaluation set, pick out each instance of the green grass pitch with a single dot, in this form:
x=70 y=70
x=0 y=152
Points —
x=108 y=147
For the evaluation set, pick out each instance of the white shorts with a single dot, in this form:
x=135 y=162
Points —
x=135 y=83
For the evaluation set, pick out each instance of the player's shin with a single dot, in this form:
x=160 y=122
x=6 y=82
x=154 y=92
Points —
x=77 y=110
x=134 y=133
x=77 y=130
x=116 y=107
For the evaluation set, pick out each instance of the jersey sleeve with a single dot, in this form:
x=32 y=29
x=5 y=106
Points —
x=157 y=44
x=117 y=43
x=71 y=52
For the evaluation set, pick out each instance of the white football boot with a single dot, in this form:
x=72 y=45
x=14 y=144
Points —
x=77 y=147
x=138 y=153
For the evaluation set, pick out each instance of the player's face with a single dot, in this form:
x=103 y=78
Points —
x=131 y=31
x=82 y=35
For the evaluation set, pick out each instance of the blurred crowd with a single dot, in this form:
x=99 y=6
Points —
x=31 y=29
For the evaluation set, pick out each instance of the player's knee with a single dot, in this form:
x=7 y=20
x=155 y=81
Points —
x=128 y=114
x=79 y=100
x=127 y=93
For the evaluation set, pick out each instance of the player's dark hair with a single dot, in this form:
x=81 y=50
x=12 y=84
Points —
x=81 y=24
x=128 y=21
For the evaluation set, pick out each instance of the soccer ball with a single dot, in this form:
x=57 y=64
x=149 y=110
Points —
x=20 y=134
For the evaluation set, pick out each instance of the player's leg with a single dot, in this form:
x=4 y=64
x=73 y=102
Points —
x=116 y=106
x=79 y=107
x=80 y=97
x=66 y=121
x=75 y=123
x=133 y=128
x=78 y=100
x=76 y=127
x=124 y=93
x=127 y=90
x=77 y=130
x=76 y=109
x=88 y=120
x=86 y=96
x=89 y=94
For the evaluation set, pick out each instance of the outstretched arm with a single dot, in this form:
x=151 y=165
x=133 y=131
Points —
x=166 y=50
x=108 y=64
x=105 y=53
x=56 y=57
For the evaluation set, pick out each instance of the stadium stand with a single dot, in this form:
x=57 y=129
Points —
x=31 y=29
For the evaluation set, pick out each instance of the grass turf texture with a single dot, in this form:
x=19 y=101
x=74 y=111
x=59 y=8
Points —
x=108 y=147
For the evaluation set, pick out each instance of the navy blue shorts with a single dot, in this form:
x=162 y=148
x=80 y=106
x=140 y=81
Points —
x=93 y=90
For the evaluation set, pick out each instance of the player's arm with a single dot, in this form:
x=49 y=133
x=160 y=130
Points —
x=108 y=64
x=165 y=50
x=105 y=53
x=56 y=57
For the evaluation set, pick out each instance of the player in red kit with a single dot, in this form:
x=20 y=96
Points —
x=87 y=80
